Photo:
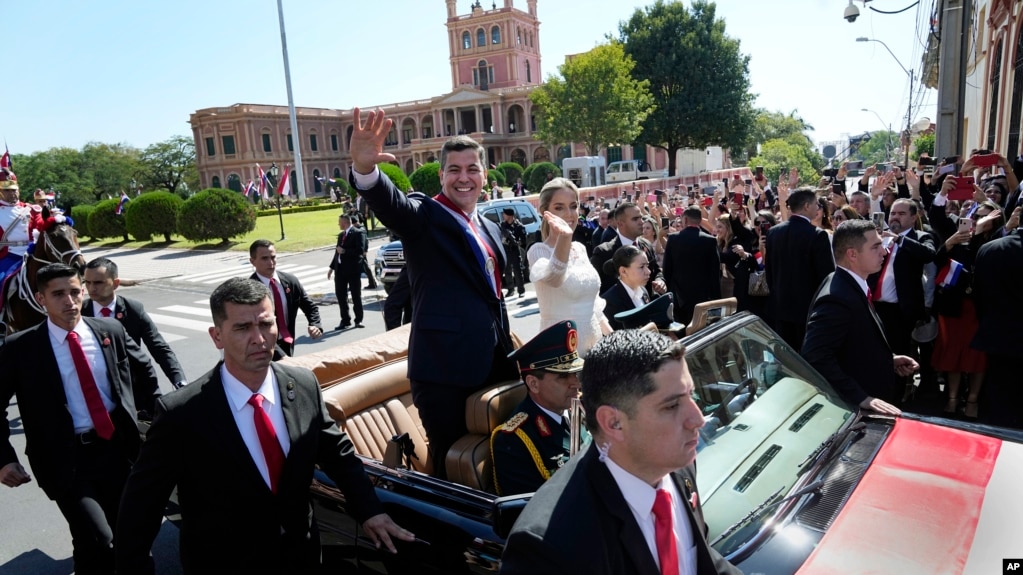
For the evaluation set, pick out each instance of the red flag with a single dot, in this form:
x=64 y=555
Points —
x=284 y=187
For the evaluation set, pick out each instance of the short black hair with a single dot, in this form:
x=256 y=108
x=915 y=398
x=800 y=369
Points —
x=458 y=144
x=621 y=207
x=103 y=263
x=508 y=211
x=801 y=198
x=50 y=272
x=623 y=258
x=693 y=215
x=240 y=291
x=259 y=244
x=619 y=369
x=849 y=235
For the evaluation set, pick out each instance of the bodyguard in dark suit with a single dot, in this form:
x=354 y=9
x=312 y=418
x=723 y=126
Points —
x=998 y=294
x=535 y=441
x=346 y=267
x=73 y=380
x=630 y=227
x=240 y=444
x=845 y=339
x=460 y=339
x=286 y=291
x=101 y=281
x=692 y=266
x=797 y=261
x=641 y=458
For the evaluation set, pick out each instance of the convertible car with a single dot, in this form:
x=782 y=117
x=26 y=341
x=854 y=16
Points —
x=792 y=478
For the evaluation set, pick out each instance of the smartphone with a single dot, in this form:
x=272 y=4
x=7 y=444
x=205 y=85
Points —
x=748 y=182
x=950 y=160
x=709 y=190
x=830 y=172
x=737 y=198
x=760 y=172
x=966 y=225
x=984 y=160
x=857 y=165
x=652 y=198
x=963 y=189
x=878 y=219
x=764 y=228
x=664 y=223
x=946 y=169
x=707 y=202
x=881 y=168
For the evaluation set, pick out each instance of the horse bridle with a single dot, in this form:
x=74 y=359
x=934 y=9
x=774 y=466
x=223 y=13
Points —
x=20 y=282
x=51 y=248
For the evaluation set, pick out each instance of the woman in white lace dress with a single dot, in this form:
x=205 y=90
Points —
x=566 y=283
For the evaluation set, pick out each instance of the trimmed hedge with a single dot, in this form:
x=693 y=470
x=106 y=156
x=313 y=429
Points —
x=298 y=209
x=426 y=179
x=153 y=214
x=80 y=215
x=535 y=175
x=104 y=221
x=396 y=175
x=216 y=213
x=511 y=171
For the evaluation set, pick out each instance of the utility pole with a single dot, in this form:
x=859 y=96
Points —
x=948 y=138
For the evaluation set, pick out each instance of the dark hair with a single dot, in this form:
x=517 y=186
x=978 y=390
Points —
x=341 y=217
x=850 y=212
x=693 y=214
x=767 y=215
x=620 y=209
x=103 y=263
x=458 y=144
x=908 y=202
x=259 y=244
x=801 y=198
x=241 y=291
x=50 y=272
x=623 y=258
x=618 y=370
x=822 y=203
x=849 y=235
x=860 y=193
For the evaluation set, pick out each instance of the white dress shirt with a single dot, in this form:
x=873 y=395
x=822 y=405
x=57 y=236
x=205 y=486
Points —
x=69 y=375
x=862 y=282
x=280 y=291
x=888 y=292
x=636 y=295
x=238 y=395
x=97 y=309
x=640 y=497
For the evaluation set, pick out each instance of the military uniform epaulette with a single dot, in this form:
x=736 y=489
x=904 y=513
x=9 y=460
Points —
x=516 y=420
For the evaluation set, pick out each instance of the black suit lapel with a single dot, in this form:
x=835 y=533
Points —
x=851 y=284
x=633 y=542
x=286 y=396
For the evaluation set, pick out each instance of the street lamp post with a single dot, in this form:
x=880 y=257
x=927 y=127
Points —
x=909 y=105
x=888 y=139
x=272 y=174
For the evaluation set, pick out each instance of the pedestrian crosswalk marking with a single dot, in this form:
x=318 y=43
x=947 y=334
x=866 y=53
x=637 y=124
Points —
x=172 y=337
x=204 y=312
x=181 y=322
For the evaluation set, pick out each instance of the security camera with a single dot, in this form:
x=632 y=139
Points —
x=851 y=12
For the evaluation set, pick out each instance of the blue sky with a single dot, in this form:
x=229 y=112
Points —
x=120 y=71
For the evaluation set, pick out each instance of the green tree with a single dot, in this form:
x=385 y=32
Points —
x=426 y=179
x=698 y=76
x=214 y=213
x=769 y=125
x=151 y=214
x=882 y=146
x=397 y=177
x=512 y=171
x=779 y=154
x=536 y=175
x=596 y=101
x=111 y=167
x=105 y=222
x=170 y=165
x=80 y=217
x=924 y=144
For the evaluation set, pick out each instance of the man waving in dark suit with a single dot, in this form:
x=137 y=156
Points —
x=240 y=444
x=78 y=402
x=101 y=281
x=460 y=339
x=845 y=339
x=287 y=293
x=633 y=490
x=346 y=262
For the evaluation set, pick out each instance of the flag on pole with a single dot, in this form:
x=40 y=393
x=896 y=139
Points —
x=284 y=187
x=949 y=275
x=250 y=189
x=264 y=184
x=122 y=204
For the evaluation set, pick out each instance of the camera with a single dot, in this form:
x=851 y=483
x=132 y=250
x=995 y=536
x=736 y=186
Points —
x=851 y=12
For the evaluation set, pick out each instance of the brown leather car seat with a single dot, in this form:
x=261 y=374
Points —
x=376 y=405
x=468 y=460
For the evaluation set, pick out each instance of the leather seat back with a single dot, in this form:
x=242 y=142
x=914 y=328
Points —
x=468 y=461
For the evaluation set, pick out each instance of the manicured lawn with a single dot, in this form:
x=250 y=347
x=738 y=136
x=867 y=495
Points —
x=303 y=231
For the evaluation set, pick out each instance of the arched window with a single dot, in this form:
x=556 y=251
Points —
x=481 y=38
x=996 y=80
x=529 y=72
x=216 y=182
x=337 y=173
x=317 y=184
x=466 y=41
x=234 y=183
x=1017 y=96
x=495 y=35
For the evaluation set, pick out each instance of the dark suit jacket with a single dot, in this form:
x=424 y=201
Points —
x=350 y=262
x=605 y=251
x=457 y=318
x=917 y=249
x=616 y=301
x=30 y=371
x=294 y=299
x=845 y=342
x=998 y=295
x=692 y=269
x=799 y=257
x=141 y=328
x=579 y=522
x=230 y=520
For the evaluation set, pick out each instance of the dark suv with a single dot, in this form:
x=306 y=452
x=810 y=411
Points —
x=391 y=257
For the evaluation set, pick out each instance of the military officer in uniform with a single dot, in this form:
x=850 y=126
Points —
x=534 y=442
x=14 y=223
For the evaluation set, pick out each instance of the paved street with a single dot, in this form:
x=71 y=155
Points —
x=174 y=286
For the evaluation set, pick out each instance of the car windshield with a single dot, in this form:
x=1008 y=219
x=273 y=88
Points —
x=766 y=412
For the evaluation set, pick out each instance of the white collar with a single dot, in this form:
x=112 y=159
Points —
x=862 y=282
x=238 y=393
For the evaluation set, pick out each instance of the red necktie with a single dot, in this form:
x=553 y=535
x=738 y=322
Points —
x=664 y=534
x=272 y=452
x=101 y=421
x=880 y=279
x=105 y=312
x=282 y=323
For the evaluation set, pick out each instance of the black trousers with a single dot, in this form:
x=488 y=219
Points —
x=1002 y=395
x=345 y=283
x=898 y=328
x=369 y=274
x=513 y=274
x=90 y=504
x=398 y=305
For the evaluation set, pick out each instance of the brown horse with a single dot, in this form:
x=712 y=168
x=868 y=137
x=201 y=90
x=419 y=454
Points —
x=57 y=243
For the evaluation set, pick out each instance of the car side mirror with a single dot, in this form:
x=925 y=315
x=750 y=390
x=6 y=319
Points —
x=507 y=510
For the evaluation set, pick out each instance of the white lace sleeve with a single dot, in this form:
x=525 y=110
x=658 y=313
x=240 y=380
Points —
x=543 y=267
